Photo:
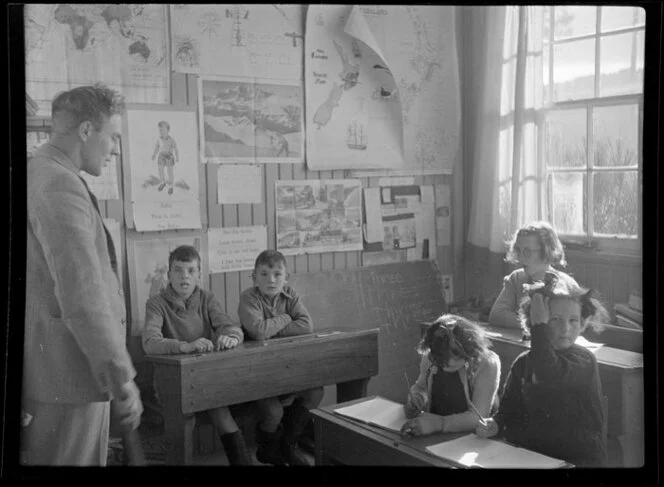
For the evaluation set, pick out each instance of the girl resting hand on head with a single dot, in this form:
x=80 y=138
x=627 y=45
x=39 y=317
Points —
x=552 y=402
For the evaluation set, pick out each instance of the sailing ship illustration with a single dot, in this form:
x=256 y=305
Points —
x=356 y=137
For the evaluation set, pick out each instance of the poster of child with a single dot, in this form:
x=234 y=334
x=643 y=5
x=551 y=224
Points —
x=167 y=151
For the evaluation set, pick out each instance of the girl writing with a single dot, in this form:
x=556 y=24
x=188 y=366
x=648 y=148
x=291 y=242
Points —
x=458 y=379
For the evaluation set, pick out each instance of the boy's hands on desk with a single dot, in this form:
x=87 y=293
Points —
x=197 y=346
x=225 y=342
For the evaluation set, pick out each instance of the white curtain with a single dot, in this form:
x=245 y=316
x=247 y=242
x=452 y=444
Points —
x=503 y=144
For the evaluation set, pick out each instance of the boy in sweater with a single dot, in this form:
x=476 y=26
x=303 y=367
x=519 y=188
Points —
x=273 y=309
x=183 y=318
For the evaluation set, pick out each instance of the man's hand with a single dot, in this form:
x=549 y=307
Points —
x=201 y=345
x=539 y=310
x=225 y=342
x=127 y=405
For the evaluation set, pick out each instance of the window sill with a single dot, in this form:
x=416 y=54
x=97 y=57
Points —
x=605 y=256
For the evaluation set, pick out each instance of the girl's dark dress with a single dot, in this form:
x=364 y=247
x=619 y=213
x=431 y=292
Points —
x=552 y=403
x=447 y=396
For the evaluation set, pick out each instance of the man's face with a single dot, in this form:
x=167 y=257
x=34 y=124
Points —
x=101 y=146
x=270 y=280
x=184 y=277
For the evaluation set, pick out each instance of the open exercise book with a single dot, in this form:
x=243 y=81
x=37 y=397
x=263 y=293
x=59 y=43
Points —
x=473 y=451
x=377 y=411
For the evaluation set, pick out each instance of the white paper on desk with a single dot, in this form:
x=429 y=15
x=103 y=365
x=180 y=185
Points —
x=378 y=412
x=239 y=183
x=473 y=451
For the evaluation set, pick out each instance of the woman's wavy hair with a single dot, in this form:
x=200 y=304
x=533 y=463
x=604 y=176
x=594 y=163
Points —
x=555 y=285
x=454 y=336
x=552 y=249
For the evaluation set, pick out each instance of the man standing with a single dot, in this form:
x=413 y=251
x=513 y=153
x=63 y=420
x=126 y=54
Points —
x=75 y=356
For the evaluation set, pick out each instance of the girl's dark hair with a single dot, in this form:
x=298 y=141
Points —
x=453 y=335
x=552 y=250
x=557 y=285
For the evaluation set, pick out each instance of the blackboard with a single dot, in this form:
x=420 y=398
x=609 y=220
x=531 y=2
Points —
x=396 y=298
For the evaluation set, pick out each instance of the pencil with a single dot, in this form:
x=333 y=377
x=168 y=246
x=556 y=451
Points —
x=472 y=406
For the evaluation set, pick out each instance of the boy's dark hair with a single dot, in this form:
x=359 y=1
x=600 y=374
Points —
x=85 y=103
x=454 y=335
x=164 y=123
x=184 y=253
x=270 y=258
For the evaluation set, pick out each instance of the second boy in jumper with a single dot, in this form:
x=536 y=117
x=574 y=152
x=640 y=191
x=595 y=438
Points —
x=271 y=309
x=183 y=318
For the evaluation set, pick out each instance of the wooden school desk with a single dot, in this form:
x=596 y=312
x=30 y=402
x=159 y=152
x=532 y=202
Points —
x=621 y=373
x=190 y=383
x=343 y=441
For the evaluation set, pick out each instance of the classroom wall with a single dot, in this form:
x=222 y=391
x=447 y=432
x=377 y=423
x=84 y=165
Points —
x=227 y=286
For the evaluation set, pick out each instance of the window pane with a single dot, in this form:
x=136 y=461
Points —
x=621 y=64
x=574 y=70
x=615 y=210
x=568 y=197
x=566 y=140
x=615 y=134
x=574 y=21
x=621 y=17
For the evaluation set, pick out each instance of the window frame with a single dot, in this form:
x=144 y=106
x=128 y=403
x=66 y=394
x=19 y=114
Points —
x=601 y=243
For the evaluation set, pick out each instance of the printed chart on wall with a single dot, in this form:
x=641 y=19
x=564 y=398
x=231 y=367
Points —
x=318 y=216
x=395 y=66
x=263 y=41
x=247 y=120
x=148 y=270
x=162 y=155
x=69 y=45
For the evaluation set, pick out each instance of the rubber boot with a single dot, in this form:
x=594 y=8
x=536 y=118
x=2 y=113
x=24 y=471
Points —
x=236 y=449
x=268 y=447
x=295 y=420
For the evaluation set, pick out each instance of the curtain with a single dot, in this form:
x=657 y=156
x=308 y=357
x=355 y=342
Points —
x=502 y=95
x=504 y=142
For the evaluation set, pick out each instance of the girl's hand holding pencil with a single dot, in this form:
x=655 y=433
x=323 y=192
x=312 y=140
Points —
x=486 y=428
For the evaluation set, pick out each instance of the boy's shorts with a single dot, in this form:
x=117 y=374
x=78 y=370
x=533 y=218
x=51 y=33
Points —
x=166 y=160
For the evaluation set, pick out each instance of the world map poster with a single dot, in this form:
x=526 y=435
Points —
x=69 y=45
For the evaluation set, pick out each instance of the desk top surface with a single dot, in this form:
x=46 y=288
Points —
x=251 y=347
x=411 y=445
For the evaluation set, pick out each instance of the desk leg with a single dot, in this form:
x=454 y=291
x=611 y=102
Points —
x=353 y=389
x=319 y=450
x=179 y=433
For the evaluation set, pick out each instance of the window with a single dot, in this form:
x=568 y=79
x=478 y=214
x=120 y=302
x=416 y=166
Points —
x=593 y=110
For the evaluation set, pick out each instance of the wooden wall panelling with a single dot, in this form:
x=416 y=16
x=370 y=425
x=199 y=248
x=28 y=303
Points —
x=301 y=261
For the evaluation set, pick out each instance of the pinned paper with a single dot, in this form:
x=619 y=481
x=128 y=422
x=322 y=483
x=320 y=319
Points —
x=443 y=214
x=238 y=184
x=235 y=248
